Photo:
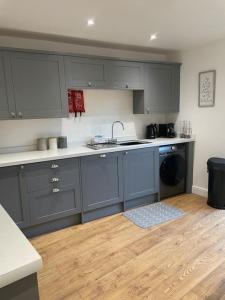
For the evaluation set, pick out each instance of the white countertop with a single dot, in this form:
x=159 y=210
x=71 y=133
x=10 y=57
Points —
x=18 y=258
x=77 y=151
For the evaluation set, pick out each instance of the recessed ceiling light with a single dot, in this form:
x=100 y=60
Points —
x=90 y=22
x=153 y=36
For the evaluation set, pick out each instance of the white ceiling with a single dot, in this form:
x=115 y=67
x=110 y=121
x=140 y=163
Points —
x=179 y=24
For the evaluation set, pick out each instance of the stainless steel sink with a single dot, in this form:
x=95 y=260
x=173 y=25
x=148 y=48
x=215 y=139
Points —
x=115 y=144
x=100 y=146
x=132 y=143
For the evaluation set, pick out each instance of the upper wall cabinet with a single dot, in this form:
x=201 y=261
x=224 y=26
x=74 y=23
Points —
x=85 y=72
x=37 y=85
x=124 y=75
x=161 y=89
x=7 y=107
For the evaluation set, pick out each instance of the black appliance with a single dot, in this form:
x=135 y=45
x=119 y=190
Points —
x=167 y=130
x=172 y=163
x=151 y=131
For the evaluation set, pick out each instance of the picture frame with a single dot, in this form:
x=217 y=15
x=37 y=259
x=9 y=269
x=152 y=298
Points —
x=207 y=88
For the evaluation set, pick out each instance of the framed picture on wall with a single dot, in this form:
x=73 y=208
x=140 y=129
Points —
x=207 y=88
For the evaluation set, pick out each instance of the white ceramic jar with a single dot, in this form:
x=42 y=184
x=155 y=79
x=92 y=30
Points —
x=52 y=143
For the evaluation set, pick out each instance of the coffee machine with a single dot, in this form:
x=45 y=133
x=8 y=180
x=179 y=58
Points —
x=167 y=130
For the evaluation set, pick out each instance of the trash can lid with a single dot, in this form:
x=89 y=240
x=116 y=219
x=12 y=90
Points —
x=216 y=162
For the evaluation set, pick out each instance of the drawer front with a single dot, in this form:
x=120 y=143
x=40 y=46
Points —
x=61 y=203
x=42 y=177
x=52 y=189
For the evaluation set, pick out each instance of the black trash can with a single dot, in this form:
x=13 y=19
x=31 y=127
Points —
x=216 y=187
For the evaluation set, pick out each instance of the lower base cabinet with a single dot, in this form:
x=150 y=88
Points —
x=102 y=183
x=56 y=193
x=12 y=195
x=141 y=173
x=52 y=190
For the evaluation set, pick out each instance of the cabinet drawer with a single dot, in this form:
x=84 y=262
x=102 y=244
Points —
x=54 y=205
x=42 y=177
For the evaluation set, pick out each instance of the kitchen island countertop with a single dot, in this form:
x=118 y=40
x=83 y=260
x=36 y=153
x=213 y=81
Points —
x=18 y=258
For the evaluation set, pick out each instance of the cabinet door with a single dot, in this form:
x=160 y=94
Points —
x=7 y=107
x=124 y=75
x=11 y=195
x=101 y=180
x=38 y=85
x=85 y=72
x=161 y=88
x=52 y=193
x=141 y=173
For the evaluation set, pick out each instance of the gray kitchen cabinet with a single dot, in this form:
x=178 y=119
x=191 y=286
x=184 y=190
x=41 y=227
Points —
x=141 y=168
x=85 y=72
x=12 y=195
x=7 y=106
x=52 y=189
x=124 y=75
x=37 y=85
x=161 y=89
x=102 y=183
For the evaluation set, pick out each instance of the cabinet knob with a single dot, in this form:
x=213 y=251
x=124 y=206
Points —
x=55 y=190
x=54 y=166
x=20 y=114
x=13 y=115
x=127 y=86
x=89 y=83
x=126 y=152
x=21 y=167
x=102 y=155
x=55 y=179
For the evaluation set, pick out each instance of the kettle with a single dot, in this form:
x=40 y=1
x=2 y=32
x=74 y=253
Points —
x=151 y=132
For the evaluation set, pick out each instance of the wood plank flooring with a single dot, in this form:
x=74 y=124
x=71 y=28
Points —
x=113 y=259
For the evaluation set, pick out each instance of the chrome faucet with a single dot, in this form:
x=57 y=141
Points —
x=112 y=139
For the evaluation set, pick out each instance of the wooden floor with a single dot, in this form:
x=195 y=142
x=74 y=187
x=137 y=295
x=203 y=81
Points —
x=113 y=259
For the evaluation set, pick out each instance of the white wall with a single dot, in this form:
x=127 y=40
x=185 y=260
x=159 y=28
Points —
x=208 y=123
x=102 y=108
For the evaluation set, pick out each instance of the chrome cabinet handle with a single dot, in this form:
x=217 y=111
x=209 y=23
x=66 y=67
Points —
x=13 y=115
x=102 y=155
x=20 y=114
x=55 y=179
x=55 y=190
x=54 y=166
x=89 y=83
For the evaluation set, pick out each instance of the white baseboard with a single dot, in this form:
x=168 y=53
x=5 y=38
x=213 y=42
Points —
x=200 y=191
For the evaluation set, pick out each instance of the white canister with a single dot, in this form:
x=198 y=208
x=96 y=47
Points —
x=52 y=143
